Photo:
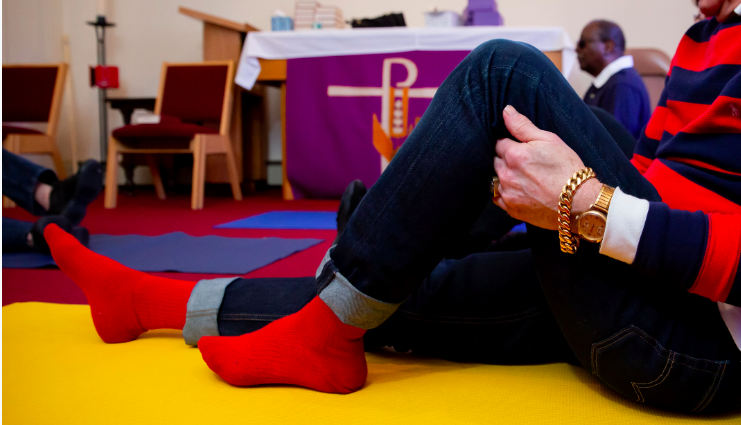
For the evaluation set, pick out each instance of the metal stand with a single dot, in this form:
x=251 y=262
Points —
x=100 y=25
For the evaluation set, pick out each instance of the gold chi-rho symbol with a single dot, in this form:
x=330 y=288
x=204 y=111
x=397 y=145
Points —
x=394 y=105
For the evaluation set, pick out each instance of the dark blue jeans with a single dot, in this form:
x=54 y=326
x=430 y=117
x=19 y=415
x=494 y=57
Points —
x=469 y=310
x=20 y=178
x=646 y=339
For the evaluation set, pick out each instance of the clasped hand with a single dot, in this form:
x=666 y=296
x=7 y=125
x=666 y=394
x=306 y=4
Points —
x=533 y=173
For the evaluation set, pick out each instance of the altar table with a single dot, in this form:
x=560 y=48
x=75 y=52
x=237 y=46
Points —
x=351 y=97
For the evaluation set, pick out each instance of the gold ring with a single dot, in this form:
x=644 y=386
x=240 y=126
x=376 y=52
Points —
x=494 y=187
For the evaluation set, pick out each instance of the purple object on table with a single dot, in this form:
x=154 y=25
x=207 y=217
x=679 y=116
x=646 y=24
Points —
x=482 y=12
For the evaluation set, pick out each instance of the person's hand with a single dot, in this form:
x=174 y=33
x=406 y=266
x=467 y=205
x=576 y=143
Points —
x=533 y=173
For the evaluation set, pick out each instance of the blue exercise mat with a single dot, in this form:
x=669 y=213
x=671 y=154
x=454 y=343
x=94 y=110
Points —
x=297 y=220
x=180 y=252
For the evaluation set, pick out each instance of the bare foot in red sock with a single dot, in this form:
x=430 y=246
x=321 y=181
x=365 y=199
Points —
x=311 y=348
x=124 y=302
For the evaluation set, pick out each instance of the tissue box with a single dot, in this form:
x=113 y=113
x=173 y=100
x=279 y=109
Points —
x=445 y=18
x=281 y=23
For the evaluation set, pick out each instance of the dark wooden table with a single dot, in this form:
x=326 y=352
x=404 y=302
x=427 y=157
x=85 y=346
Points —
x=127 y=105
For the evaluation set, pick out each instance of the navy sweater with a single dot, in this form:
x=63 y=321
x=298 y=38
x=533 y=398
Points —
x=625 y=97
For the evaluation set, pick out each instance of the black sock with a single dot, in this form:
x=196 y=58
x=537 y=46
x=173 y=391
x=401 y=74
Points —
x=70 y=197
x=61 y=193
x=354 y=193
x=81 y=234
x=37 y=232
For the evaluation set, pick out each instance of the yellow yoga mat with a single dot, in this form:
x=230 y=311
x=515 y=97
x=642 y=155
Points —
x=57 y=371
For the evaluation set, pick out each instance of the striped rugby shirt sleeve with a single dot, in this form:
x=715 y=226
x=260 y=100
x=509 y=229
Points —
x=690 y=151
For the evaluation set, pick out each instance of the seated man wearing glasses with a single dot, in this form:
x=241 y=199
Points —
x=617 y=88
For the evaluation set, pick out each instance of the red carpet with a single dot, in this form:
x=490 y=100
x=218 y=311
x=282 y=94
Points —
x=146 y=215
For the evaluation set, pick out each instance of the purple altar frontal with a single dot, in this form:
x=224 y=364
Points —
x=346 y=116
x=353 y=96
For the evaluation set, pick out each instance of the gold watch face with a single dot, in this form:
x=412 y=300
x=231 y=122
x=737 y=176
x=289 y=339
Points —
x=592 y=226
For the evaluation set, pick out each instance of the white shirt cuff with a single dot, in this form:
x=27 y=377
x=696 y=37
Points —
x=625 y=220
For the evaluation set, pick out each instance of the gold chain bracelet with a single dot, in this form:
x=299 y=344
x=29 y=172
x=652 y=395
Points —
x=569 y=241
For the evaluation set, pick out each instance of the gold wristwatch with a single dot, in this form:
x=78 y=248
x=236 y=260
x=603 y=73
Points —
x=591 y=224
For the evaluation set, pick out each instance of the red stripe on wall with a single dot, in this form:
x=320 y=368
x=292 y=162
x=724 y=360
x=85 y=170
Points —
x=680 y=193
x=723 y=48
x=655 y=126
x=723 y=116
x=721 y=260
x=682 y=113
x=641 y=162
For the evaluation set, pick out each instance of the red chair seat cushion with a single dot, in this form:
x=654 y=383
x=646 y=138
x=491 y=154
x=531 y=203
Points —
x=166 y=130
x=11 y=129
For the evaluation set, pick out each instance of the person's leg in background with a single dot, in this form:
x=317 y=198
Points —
x=37 y=190
x=16 y=235
x=24 y=236
x=26 y=183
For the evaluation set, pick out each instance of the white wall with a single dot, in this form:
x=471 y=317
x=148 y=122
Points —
x=148 y=32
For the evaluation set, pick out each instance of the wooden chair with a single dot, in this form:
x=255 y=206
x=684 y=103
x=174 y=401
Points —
x=194 y=104
x=653 y=66
x=33 y=94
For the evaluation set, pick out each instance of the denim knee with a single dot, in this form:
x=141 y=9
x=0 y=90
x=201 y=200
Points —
x=485 y=51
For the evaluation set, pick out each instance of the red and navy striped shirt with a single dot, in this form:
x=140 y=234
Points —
x=691 y=152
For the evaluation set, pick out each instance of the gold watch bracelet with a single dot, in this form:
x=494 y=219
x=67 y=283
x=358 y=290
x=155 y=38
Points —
x=569 y=241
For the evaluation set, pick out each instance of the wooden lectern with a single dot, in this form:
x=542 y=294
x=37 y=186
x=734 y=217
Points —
x=222 y=40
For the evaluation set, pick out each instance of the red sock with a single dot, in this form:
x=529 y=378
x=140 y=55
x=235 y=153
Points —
x=311 y=348
x=124 y=302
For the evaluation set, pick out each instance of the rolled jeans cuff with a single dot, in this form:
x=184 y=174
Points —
x=201 y=318
x=351 y=306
